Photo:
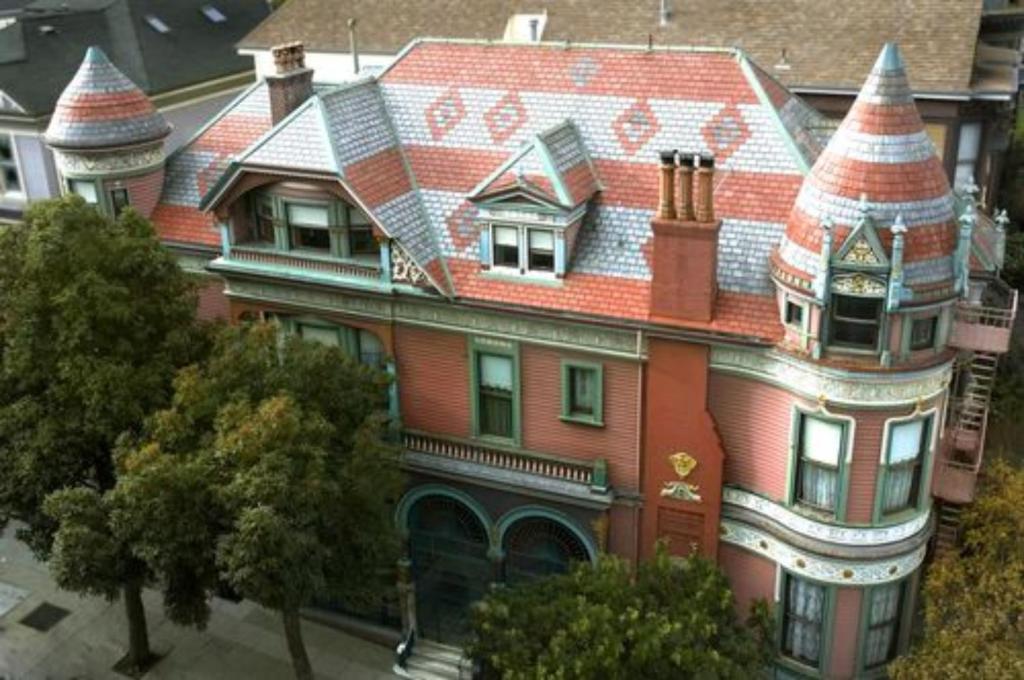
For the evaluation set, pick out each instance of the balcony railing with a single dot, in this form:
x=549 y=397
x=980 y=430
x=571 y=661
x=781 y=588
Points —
x=307 y=262
x=985 y=328
x=592 y=474
x=956 y=470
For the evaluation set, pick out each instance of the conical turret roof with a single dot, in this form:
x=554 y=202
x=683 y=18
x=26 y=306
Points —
x=102 y=108
x=879 y=164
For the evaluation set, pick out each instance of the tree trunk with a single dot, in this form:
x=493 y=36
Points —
x=138 y=635
x=297 y=649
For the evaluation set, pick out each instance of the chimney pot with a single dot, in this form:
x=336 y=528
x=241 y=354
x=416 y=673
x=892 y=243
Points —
x=704 y=210
x=686 y=187
x=667 y=202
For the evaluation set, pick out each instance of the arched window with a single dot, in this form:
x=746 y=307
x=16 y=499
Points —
x=448 y=546
x=539 y=546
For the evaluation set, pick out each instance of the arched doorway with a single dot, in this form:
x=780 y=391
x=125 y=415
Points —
x=537 y=546
x=448 y=545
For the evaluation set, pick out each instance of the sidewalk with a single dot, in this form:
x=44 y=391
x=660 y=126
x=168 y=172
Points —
x=242 y=641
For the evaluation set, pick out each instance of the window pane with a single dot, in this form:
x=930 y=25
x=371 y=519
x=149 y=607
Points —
x=6 y=150
x=817 y=486
x=905 y=441
x=582 y=391
x=804 y=613
x=883 y=625
x=865 y=309
x=542 y=239
x=320 y=334
x=308 y=215
x=495 y=413
x=542 y=250
x=314 y=239
x=86 y=190
x=794 y=314
x=371 y=349
x=922 y=333
x=821 y=440
x=119 y=199
x=496 y=371
x=361 y=240
x=506 y=247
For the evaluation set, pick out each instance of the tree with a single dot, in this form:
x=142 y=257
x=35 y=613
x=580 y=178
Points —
x=271 y=470
x=671 y=619
x=974 y=601
x=95 y=319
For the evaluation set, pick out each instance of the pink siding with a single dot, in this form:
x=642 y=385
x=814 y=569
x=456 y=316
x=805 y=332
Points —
x=845 y=629
x=754 y=421
x=863 y=472
x=143 y=190
x=751 y=576
x=433 y=380
x=544 y=431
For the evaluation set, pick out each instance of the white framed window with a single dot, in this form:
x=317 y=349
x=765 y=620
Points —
x=541 y=250
x=84 y=188
x=967 y=153
x=900 y=486
x=506 y=247
x=820 y=445
x=10 y=176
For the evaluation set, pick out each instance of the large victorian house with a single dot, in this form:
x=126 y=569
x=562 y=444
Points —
x=625 y=295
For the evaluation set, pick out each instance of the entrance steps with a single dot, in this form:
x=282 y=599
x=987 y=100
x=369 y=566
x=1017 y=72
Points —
x=434 y=661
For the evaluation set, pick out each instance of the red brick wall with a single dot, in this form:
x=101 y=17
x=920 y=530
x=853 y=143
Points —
x=623 y=526
x=543 y=430
x=754 y=421
x=433 y=380
x=751 y=576
x=213 y=303
x=846 y=625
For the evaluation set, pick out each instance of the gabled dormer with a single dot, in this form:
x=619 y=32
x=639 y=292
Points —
x=529 y=209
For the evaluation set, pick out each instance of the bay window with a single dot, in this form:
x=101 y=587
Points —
x=803 y=616
x=820 y=445
x=856 y=321
x=506 y=247
x=900 y=478
x=881 y=638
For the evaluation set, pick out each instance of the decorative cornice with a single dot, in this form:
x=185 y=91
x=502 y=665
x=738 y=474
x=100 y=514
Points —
x=105 y=163
x=863 y=390
x=823 y=531
x=839 y=572
x=445 y=316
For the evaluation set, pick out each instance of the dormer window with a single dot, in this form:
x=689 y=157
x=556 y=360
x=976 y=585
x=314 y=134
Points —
x=856 y=321
x=541 y=253
x=506 y=247
x=307 y=227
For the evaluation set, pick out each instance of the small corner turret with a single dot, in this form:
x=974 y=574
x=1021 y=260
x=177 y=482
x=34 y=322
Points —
x=108 y=139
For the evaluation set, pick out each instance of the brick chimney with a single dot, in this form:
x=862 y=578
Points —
x=685 y=259
x=292 y=84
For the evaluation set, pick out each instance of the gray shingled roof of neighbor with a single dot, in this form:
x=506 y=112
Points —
x=938 y=37
x=50 y=36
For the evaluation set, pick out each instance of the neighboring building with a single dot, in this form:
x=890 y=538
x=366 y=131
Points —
x=181 y=53
x=965 y=89
x=778 y=352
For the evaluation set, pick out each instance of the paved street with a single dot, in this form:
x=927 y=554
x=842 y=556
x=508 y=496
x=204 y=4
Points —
x=242 y=641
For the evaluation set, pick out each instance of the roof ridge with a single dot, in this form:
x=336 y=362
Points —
x=217 y=117
x=747 y=67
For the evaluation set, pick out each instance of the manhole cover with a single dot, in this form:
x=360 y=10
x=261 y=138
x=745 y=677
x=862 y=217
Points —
x=44 y=617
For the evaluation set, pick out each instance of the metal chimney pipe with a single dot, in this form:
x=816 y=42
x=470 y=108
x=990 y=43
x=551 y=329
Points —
x=353 y=45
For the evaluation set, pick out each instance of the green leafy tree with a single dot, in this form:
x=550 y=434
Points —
x=95 y=319
x=272 y=472
x=670 y=619
x=974 y=601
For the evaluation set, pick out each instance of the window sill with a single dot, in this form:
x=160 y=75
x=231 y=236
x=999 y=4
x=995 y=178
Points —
x=811 y=512
x=497 y=441
x=802 y=670
x=513 y=276
x=581 y=420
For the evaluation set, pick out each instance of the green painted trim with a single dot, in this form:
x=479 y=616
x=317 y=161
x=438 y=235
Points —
x=597 y=420
x=410 y=498
x=506 y=521
x=827 y=626
x=842 y=470
x=923 y=502
x=481 y=345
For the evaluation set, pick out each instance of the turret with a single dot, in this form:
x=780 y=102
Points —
x=108 y=139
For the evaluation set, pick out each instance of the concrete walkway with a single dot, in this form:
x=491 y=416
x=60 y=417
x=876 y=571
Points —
x=242 y=641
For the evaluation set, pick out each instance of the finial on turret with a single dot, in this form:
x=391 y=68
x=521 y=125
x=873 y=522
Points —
x=899 y=227
x=1002 y=220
